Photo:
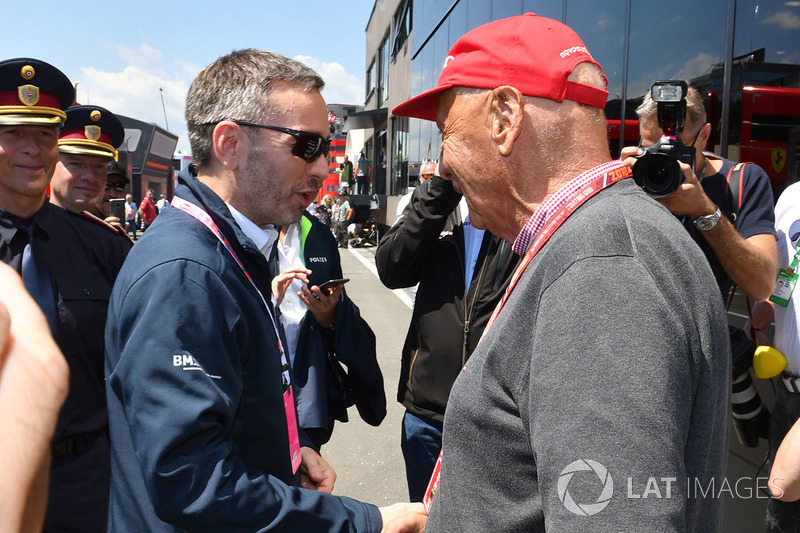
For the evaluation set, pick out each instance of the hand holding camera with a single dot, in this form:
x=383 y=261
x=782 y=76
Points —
x=657 y=170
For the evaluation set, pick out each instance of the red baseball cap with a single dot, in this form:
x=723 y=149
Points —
x=534 y=54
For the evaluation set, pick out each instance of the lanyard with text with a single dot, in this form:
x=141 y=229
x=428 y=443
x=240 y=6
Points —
x=555 y=222
x=288 y=395
x=544 y=235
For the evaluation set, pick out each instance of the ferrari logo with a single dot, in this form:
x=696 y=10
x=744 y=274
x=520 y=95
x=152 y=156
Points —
x=28 y=94
x=778 y=159
x=92 y=132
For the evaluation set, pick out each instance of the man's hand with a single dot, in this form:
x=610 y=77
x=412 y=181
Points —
x=690 y=199
x=281 y=282
x=114 y=221
x=751 y=263
x=321 y=303
x=784 y=478
x=404 y=518
x=34 y=381
x=315 y=472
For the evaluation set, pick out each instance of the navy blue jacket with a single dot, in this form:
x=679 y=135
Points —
x=319 y=398
x=198 y=428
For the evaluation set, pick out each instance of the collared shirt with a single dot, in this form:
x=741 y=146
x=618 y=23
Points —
x=263 y=237
x=473 y=238
x=552 y=205
x=10 y=249
x=290 y=254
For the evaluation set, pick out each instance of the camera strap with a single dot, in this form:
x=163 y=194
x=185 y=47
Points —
x=734 y=188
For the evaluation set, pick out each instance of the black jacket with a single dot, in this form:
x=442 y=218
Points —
x=446 y=324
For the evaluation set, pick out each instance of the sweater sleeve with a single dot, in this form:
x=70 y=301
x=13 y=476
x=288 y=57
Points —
x=627 y=408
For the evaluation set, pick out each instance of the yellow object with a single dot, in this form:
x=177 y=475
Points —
x=768 y=362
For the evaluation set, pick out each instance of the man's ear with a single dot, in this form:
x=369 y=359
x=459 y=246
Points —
x=508 y=110
x=702 y=137
x=230 y=144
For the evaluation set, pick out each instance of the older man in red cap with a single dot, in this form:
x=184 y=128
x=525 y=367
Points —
x=607 y=361
x=68 y=264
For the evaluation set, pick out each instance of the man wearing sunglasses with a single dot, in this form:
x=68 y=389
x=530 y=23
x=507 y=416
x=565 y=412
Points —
x=116 y=181
x=202 y=413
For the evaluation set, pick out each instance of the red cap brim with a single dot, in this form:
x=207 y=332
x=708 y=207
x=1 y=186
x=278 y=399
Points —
x=423 y=105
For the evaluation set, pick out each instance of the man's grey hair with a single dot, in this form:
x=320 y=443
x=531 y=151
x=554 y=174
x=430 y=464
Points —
x=695 y=110
x=237 y=86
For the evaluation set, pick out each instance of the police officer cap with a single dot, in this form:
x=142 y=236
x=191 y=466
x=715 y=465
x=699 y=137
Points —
x=91 y=130
x=115 y=169
x=33 y=93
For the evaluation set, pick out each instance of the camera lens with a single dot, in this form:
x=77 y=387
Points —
x=658 y=174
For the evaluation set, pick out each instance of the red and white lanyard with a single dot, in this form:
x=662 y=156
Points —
x=291 y=417
x=551 y=226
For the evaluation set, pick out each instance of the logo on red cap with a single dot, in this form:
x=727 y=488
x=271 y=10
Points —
x=575 y=50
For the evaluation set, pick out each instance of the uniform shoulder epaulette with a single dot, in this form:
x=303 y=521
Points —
x=100 y=222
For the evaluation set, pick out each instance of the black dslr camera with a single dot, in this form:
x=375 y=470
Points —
x=657 y=170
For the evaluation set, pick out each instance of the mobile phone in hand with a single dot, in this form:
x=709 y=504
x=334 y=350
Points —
x=116 y=208
x=333 y=283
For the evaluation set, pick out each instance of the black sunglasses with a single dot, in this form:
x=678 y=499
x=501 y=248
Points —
x=308 y=145
x=116 y=186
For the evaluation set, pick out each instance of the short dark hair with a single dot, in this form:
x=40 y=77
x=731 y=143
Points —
x=237 y=86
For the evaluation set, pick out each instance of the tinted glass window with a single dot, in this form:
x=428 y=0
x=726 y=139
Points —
x=671 y=40
x=506 y=8
x=545 y=8
x=769 y=25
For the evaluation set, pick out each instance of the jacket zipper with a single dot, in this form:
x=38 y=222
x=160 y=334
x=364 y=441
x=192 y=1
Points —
x=468 y=312
x=411 y=368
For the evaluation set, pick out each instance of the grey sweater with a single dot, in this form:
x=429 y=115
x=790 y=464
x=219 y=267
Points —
x=610 y=361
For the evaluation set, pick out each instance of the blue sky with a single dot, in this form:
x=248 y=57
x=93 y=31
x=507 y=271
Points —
x=120 y=54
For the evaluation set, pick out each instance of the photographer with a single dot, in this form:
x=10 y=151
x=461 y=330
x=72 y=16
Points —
x=740 y=246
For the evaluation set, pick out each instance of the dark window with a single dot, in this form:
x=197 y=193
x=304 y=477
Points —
x=772 y=127
x=402 y=26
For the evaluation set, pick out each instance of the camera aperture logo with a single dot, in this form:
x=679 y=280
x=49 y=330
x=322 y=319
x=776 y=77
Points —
x=585 y=509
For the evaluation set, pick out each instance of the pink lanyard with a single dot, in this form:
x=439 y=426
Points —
x=291 y=417
x=555 y=222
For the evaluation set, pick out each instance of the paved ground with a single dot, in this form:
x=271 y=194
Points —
x=368 y=460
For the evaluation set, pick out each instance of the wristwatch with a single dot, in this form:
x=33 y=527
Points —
x=706 y=222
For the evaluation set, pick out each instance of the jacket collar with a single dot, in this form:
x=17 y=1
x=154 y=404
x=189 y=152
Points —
x=193 y=190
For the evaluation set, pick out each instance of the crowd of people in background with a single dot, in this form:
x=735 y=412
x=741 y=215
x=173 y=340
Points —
x=562 y=317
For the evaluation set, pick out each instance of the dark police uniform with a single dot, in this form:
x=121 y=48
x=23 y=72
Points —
x=83 y=257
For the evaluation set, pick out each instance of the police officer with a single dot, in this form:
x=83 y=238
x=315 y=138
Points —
x=85 y=145
x=68 y=263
